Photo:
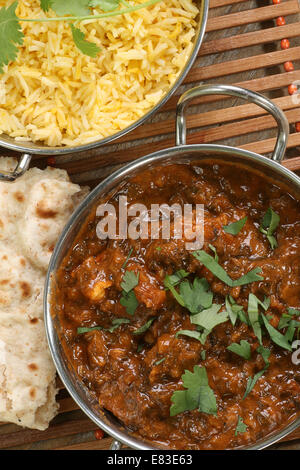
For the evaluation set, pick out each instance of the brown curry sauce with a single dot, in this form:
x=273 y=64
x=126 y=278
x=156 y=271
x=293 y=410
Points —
x=134 y=376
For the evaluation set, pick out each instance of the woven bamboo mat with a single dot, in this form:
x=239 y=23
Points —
x=244 y=46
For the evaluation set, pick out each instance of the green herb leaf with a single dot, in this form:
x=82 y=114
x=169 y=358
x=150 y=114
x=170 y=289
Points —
x=233 y=309
x=275 y=336
x=268 y=226
x=265 y=353
x=203 y=355
x=127 y=259
x=116 y=323
x=130 y=281
x=71 y=7
x=209 y=318
x=82 y=330
x=10 y=35
x=241 y=426
x=157 y=363
x=176 y=278
x=215 y=252
x=235 y=227
x=253 y=314
x=196 y=296
x=144 y=328
x=105 y=5
x=198 y=395
x=46 y=4
x=86 y=47
x=129 y=301
x=191 y=333
x=252 y=381
x=243 y=349
x=210 y=263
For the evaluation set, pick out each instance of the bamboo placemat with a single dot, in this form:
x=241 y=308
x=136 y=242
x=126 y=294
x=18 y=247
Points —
x=243 y=46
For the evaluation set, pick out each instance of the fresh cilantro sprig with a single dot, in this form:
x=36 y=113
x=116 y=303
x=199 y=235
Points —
x=115 y=324
x=198 y=394
x=235 y=227
x=143 y=328
x=11 y=35
x=253 y=314
x=128 y=299
x=194 y=296
x=268 y=226
x=243 y=349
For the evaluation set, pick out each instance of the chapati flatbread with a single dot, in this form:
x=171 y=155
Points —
x=33 y=212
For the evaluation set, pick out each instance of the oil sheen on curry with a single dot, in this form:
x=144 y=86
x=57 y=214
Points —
x=191 y=349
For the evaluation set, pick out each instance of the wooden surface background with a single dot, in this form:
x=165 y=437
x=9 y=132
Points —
x=242 y=46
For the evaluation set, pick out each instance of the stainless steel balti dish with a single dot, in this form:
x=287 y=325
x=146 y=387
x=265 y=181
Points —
x=178 y=154
x=28 y=149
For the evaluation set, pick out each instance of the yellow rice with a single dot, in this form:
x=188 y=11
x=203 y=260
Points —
x=58 y=96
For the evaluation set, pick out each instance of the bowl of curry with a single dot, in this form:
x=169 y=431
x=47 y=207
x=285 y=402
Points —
x=165 y=346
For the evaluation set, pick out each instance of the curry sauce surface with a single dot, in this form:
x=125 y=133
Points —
x=134 y=376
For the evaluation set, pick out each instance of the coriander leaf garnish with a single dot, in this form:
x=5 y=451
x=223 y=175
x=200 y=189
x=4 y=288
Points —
x=11 y=35
x=290 y=332
x=196 y=296
x=82 y=330
x=203 y=355
x=198 y=395
x=105 y=5
x=243 y=349
x=253 y=314
x=160 y=361
x=293 y=311
x=144 y=328
x=235 y=227
x=206 y=320
x=175 y=278
x=193 y=296
x=116 y=323
x=130 y=281
x=275 y=336
x=46 y=4
x=210 y=263
x=215 y=252
x=252 y=381
x=129 y=301
x=241 y=426
x=71 y=7
x=233 y=309
x=127 y=259
x=268 y=226
x=265 y=353
x=88 y=48
x=209 y=318
x=191 y=333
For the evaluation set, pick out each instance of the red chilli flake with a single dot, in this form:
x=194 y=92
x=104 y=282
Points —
x=276 y=2
x=99 y=434
x=297 y=126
